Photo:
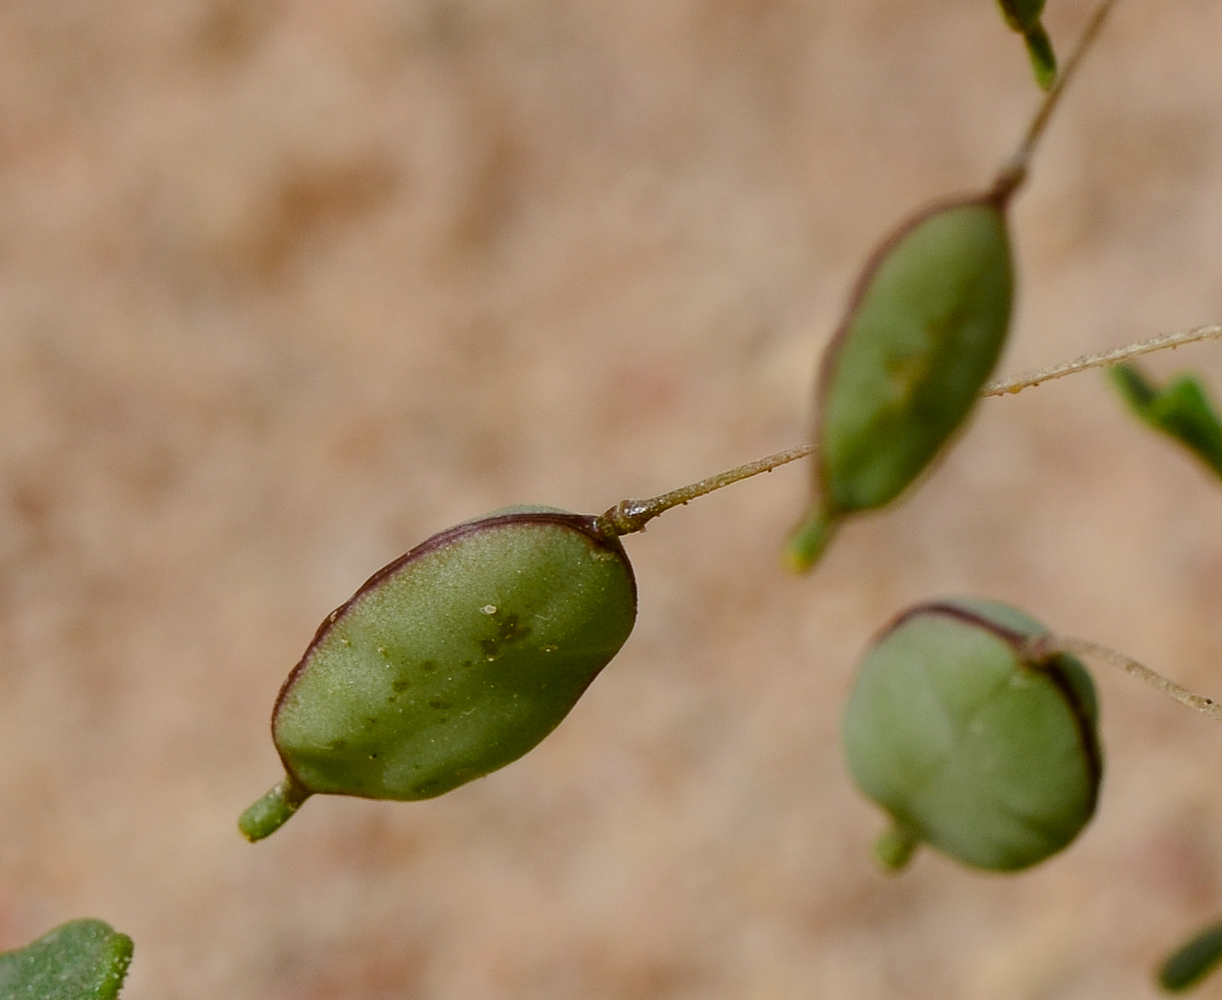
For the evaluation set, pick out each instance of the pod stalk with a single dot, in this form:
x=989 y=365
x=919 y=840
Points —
x=630 y=516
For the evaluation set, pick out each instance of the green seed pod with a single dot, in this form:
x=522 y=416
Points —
x=79 y=960
x=970 y=741
x=452 y=661
x=922 y=334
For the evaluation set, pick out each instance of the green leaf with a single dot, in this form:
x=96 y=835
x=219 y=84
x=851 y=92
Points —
x=1023 y=16
x=1193 y=961
x=1181 y=410
x=1043 y=59
x=79 y=960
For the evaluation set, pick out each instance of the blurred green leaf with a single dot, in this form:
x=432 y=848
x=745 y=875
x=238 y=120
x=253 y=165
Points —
x=1192 y=962
x=1181 y=410
x=1043 y=59
x=79 y=960
x=1023 y=16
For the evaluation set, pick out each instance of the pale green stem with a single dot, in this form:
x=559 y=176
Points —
x=1014 y=172
x=629 y=516
x=1041 y=647
x=1004 y=387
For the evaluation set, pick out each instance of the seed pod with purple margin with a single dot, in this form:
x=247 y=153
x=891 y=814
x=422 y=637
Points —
x=972 y=740
x=923 y=332
x=451 y=662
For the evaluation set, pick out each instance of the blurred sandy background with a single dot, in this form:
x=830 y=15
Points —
x=288 y=285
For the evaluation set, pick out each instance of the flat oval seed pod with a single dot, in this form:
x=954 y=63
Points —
x=968 y=744
x=79 y=960
x=451 y=662
x=922 y=334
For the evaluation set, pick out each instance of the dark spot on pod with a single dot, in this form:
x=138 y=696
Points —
x=499 y=624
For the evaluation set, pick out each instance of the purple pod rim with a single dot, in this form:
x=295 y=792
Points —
x=997 y=198
x=1051 y=666
x=583 y=524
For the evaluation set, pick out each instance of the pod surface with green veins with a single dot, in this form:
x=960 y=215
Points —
x=79 y=960
x=922 y=334
x=452 y=661
x=969 y=744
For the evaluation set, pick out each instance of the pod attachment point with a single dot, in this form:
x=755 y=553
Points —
x=273 y=810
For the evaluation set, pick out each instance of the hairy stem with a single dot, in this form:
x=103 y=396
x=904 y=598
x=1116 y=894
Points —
x=629 y=516
x=1004 y=387
x=1014 y=172
x=1044 y=646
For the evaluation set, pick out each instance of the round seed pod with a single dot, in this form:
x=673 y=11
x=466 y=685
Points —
x=923 y=332
x=970 y=742
x=452 y=661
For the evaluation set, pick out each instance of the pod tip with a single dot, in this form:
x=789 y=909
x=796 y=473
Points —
x=272 y=811
x=1043 y=59
x=808 y=542
x=894 y=848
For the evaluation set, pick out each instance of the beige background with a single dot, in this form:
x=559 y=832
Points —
x=287 y=286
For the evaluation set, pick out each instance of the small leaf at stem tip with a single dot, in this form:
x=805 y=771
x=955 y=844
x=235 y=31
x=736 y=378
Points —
x=1182 y=410
x=1043 y=59
x=1193 y=961
x=79 y=960
x=807 y=543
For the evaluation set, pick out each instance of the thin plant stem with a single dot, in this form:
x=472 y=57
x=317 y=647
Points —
x=1049 y=645
x=630 y=516
x=1014 y=172
x=1005 y=387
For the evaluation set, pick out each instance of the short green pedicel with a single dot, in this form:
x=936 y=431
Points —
x=922 y=335
x=970 y=746
x=452 y=661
